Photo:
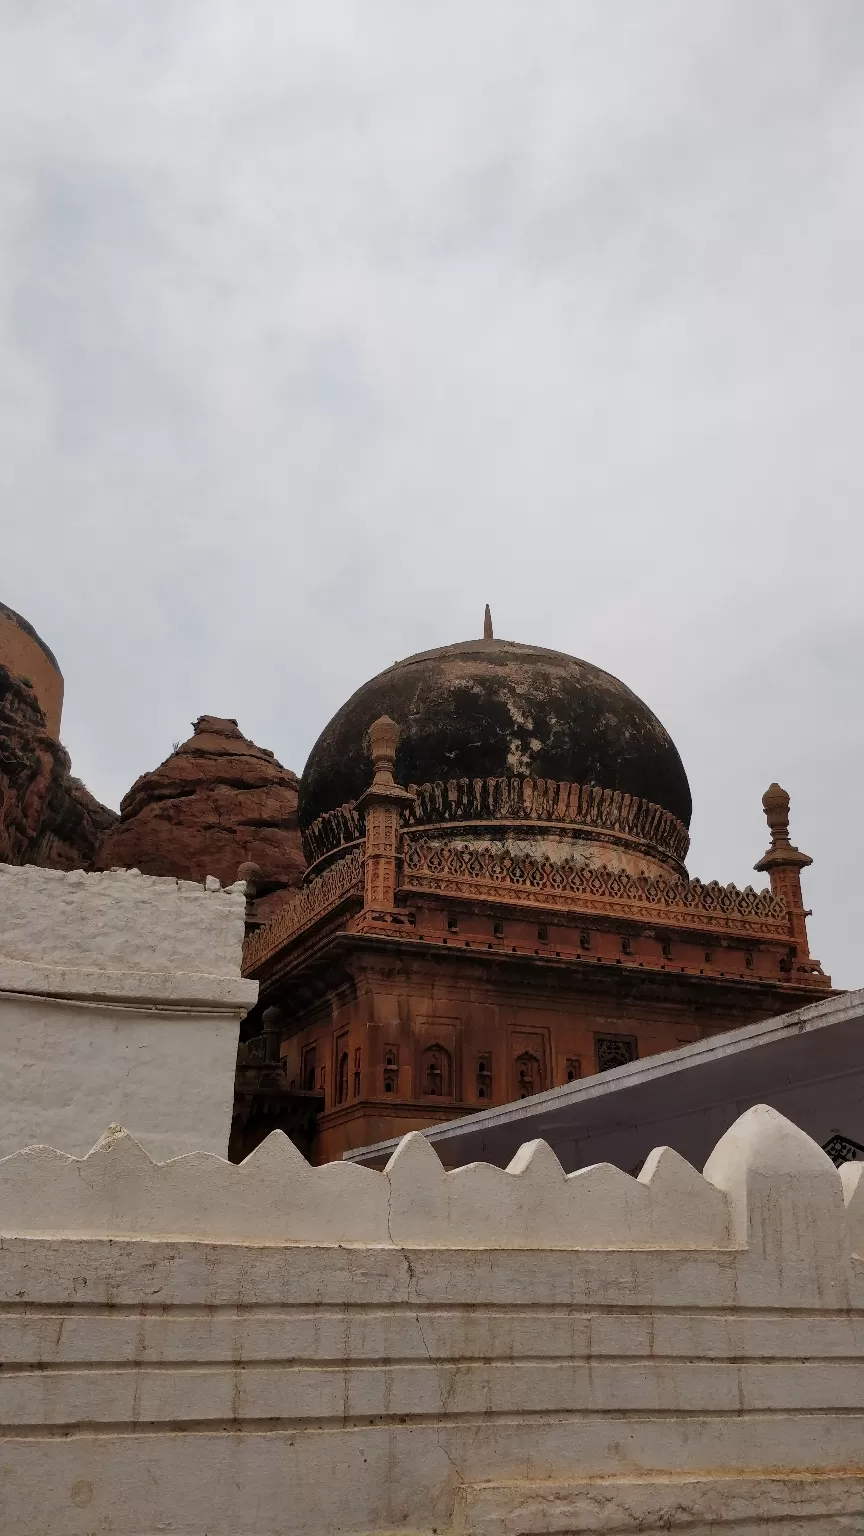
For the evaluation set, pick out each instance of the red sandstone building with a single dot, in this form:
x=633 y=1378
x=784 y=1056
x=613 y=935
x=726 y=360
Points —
x=496 y=902
x=490 y=899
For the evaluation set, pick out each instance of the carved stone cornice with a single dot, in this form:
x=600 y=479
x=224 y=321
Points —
x=432 y=866
x=583 y=808
x=487 y=875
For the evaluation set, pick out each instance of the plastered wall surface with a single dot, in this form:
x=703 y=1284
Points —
x=270 y=1348
x=64 y=1066
x=118 y=933
x=120 y=999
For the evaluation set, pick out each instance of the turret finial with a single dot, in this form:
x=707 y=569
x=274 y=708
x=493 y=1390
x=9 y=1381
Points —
x=487 y=624
x=783 y=864
x=383 y=739
x=775 y=803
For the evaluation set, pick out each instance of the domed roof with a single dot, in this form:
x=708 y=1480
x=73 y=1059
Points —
x=493 y=709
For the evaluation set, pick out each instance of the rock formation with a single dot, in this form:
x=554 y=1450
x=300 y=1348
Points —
x=217 y=802
x=47 y=817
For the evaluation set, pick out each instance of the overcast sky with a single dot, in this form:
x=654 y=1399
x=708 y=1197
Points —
x=321 y=325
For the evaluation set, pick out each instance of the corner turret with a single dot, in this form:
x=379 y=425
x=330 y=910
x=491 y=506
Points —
x=783 y=863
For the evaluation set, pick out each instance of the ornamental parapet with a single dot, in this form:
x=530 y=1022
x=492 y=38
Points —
x=586 y=807
x=331 y=832
x=551 y=801
x=432 y=867
x=485 y=874
x=340 y=883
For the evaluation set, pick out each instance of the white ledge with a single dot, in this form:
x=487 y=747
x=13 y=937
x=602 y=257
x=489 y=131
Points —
x=220 y=994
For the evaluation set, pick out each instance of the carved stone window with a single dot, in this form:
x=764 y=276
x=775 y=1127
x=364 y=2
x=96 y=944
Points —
x=342 y=1078
x=391 y=1068
x=574 y=1069
x=484 y=1075
x=842 y=1149
x=614 y=1051
x=357 y=1072
x=309 y=1068
x=529 y=1075
x=437 y=1072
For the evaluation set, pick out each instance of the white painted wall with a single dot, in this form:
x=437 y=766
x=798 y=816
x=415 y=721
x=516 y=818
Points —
x=276 y=1348
x=120 y=1000
x=67 y=1067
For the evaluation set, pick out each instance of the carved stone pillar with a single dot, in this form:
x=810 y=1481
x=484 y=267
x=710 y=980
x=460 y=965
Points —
x=383 y=803
x=783 y=864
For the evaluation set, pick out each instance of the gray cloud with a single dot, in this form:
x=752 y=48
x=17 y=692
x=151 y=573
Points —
x=319 y=326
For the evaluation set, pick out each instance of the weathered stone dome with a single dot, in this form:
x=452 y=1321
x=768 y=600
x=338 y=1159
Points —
x=493 y=710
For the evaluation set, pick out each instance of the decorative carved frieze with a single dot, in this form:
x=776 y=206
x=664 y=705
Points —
x=515 y=799
x=342 y=880
x=551 y=801
x=332 y=831
x=486 y=874
x=548 y=800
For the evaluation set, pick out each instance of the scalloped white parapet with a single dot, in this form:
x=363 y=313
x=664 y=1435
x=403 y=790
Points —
x=193 y=1346
x=785 y=1201
x=533 y=1204
x=767 y=1188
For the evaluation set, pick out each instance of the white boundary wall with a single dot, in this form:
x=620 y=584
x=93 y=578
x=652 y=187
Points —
x=212 y=1350
x=120 y=999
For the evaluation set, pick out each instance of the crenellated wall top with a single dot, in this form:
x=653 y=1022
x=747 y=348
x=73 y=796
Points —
x=767 y=1187
x=481 y=1351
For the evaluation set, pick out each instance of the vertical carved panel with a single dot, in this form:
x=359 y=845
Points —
x=382 y=833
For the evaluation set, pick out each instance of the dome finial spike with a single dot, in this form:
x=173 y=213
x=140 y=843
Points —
x=487 y=624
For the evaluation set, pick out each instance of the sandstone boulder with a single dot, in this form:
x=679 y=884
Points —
x=217 y=802
x=47 y=817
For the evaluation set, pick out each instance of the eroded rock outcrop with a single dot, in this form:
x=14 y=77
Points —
x=47 y=817
x=218 y=801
